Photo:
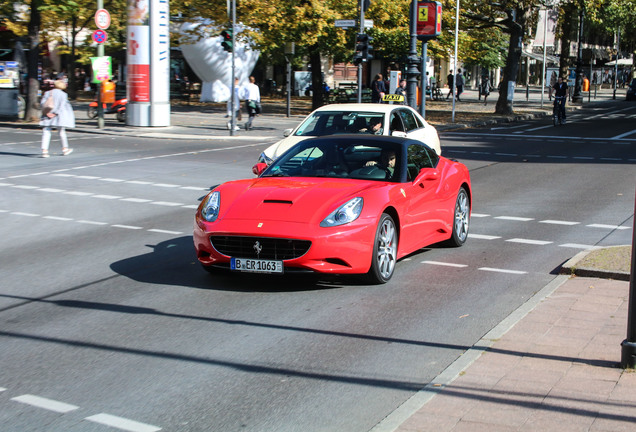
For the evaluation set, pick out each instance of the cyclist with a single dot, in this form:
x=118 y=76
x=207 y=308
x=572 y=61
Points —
x=560 y=93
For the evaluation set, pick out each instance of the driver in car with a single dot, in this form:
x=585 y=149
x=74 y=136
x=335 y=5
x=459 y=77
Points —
x=387 y=161
x=375 y=126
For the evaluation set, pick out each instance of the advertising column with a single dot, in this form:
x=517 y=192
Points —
x=148 y=80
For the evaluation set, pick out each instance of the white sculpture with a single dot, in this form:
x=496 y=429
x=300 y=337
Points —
x=213 y=65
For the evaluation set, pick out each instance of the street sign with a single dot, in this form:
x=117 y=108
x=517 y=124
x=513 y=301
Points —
x=100 y=36
x=429 y=20
x=102 y=19
x=345 y=23
x=368 y=23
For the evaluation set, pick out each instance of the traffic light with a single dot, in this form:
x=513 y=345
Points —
x=363 y=48
x=227 y=40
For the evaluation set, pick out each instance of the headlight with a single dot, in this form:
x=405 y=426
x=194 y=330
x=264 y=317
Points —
x=211 y=206
x=348 y=212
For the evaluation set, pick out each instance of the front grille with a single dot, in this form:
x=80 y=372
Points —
x=270 y=248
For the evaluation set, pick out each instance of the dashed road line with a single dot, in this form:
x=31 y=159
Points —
x=529 y=241
x=498 y=270
x=602 y=226
x=482 y=236
x=44 y=403
x=438 y=263
x=579 y=246
x=122 y=423
x=514 y=218
x=558 y=222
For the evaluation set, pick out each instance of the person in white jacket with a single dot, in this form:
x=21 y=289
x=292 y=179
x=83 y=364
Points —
x=60 y=115
x=252 y=95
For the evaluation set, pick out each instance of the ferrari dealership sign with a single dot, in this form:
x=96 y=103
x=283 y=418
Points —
x=429 y=19
x=148 y=60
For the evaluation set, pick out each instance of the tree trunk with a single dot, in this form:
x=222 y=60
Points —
x=517 y=29
x=318 y=98
x=32 y=103
x=72 y=79
x=568 y=31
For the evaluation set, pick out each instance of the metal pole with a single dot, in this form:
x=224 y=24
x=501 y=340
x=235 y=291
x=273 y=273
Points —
x=618 y=51
x=589 y=93
x=100 y=53
x=543 y=77
x=232 y=89
x=455 y=70
x=288 y=87
x=412 y=72
x=628 y=347
x=360 y=64
x=577 y=96
x=423 y=80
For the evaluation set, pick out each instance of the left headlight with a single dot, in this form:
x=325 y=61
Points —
x=211 y=206
x=348 y=212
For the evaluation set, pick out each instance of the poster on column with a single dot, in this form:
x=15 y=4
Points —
x=138 y=76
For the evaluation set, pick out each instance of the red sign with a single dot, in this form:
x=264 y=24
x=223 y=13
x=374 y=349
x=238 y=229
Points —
x=102 y=19
x=429 y=19
x=100 y=36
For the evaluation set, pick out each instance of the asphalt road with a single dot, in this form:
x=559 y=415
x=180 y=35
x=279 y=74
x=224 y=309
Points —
x=108 y=323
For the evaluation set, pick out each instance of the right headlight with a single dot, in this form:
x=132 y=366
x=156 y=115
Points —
x=211 y=206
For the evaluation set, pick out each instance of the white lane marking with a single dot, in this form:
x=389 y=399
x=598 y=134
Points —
x=617 y=227
x=25 y=214
x=25 y=187
x=617 y=137
x=2 y=389
x=58 y=218
x=610 y=159
x=579 y=246
x=498 y=270
x=482 y=236
x=136 y=200
x=529 y=241
x=78 y=193
x=48 y=404
x=479 y=215
x=165 y=185
x=130 y=227
x=556 y=157
x=506 y=154
x=558 y=222
x=166 y=203
x=191 y=206
x=122 y=423
x=160 y=231
x=444 y=264
x=514 y=218
x=194 y=188
x=109 y=197
x=86 y=177
x=583 y=157
x=112 y=180
x=538 y=128
x=139 y=182
x=87 y=222
x=51 y=190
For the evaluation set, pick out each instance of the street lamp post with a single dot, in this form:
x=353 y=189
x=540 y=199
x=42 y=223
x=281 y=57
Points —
x=577 y=96
x=628 y=347
x=412 y=72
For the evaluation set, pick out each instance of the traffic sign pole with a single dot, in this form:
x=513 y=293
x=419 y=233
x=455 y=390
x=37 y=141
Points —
x=100 y=53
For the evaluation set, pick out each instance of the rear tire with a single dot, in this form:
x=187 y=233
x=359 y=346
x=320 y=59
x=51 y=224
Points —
x=92 y=112
x=121 y=116
x=461 y=219
x=384 y=255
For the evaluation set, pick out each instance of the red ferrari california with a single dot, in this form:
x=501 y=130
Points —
x=345 y=204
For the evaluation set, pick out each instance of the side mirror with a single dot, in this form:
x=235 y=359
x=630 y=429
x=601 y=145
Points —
x=398 y=134
x=287 y=132
x=259 y=168
x=427 y=174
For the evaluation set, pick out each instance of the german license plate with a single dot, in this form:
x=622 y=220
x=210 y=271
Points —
x=256 y=265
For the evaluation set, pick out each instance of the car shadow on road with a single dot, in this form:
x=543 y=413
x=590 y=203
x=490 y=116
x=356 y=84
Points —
x=174 y=262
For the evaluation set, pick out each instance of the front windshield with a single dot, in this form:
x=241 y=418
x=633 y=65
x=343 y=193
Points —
x=365 y=159
x=340 y=122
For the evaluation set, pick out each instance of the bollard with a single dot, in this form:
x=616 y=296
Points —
x=628 y=347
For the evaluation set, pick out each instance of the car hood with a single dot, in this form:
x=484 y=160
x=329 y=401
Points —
x=302 y=200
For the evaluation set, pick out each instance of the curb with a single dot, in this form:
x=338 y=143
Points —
x=571 y=267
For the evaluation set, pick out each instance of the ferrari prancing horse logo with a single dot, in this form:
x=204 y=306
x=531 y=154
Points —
x=258 y=248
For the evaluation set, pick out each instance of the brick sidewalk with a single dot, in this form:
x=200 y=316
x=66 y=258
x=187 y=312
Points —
x=558 y=369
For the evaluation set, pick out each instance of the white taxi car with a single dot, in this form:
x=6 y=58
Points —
x=370 y=118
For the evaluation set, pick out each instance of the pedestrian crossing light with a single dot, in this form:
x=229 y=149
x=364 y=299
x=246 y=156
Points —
x=363 y=49
x=227 y=45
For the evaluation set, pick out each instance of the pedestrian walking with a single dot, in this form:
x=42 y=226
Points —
x=57 y=112
x=253 y=102
x=485 y=88
x=237 y=105
x=378 y=89
x=553 y=81
x=401 y=90
x=450 y=79
x=459 y=82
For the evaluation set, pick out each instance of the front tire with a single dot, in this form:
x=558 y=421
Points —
x=384 y=255
x=461 y=219
x=92 y=112
x=121 y=116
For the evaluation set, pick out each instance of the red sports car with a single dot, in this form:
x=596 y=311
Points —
x=346 y=204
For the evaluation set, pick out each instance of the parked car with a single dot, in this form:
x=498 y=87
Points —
x=340 y=204
x=399 y=120
x=631 y=90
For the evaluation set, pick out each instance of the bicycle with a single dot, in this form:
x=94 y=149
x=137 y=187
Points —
x=558 y=113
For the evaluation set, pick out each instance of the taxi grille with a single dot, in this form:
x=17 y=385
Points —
x=270 y=248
